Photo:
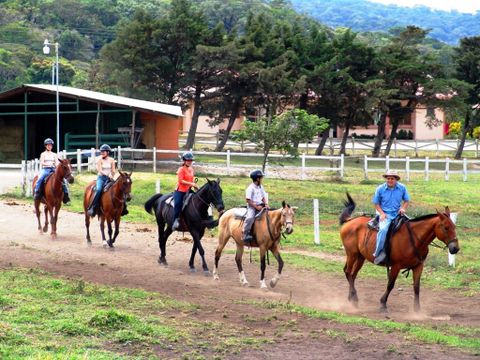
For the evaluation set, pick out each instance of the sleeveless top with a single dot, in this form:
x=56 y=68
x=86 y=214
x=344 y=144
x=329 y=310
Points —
x=106 y=166
x=49 y=159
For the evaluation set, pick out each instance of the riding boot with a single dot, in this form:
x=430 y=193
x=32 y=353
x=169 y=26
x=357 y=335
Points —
x=176 y=224
x=37 y=195
x=124 y=211
x=66 y=198
x=380 y=259
x=247 y=239
x=92 y=210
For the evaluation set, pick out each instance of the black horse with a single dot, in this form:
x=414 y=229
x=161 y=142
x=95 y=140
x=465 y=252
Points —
x=194 y=218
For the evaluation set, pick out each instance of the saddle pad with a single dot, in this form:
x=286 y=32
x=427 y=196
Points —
x=239 y=213
x=170 y=201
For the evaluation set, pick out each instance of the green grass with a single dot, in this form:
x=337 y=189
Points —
x=427 y=197
x=43 y=317
x=464 y=338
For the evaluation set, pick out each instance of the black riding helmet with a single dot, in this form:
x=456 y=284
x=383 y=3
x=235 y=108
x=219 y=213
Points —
x=255 y=174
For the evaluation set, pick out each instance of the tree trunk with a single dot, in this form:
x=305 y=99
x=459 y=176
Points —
x=323 y=141
x=303 y=101
x=345 y=135
x=233 y=116
x=466 y=128
x=196 y=113
x=265 y=158
x=377 y=146
x=393 y=134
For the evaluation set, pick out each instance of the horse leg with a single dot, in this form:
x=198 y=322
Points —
x=417 y=273
x=87 y=225
x=353 y=275
x=53 y=220
x=191 y=262
x=37 y=213
x=276 y=253
x=117 y=229
x=110 y=232
x=162 y=242
x=348 y=270
x=102 y=230
x=46 y=211
x=238 y=260
x=222 y=241
x=263 y=266
x=392 y=277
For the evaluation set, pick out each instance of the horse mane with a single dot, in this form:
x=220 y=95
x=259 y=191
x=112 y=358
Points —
x=423 y=217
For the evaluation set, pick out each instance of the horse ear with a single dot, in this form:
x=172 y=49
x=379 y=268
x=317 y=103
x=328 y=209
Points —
x=218 y=180
x=130 y=174
x=121 y=173
x=208 y=180
x=447 y=211
x=284 y=204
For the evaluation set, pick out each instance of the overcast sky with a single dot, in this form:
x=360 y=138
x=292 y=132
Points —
x=467 y=6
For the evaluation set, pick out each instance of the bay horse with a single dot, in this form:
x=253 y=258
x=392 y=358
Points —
x=53 y=195
x=408 y=247
x=111 y=206
x=267 y=232
x=194 y=218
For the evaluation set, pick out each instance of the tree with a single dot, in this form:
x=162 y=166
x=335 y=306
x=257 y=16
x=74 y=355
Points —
x=281 y=132
x=467 y=59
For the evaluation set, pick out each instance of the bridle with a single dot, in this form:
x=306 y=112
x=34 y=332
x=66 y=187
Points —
x=215 y=201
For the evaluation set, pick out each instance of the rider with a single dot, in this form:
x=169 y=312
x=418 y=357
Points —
x=388 y=205
x=256 y=200
x=185 y=182
x=48 y=162
x=106 y=170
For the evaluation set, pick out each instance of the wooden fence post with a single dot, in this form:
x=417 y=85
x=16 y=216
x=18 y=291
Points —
x=395 y=146
x=157 y=186
x=302 y=172
x=228 y=162
x=353 y=146
x=79 y=161
x=24 y=177
x=91 y=165
x=438 y=147
x=476 y=148
x=316 y=221
x=342 y=165
x=387 y=163
x=365 y=166
x=407 y=168
x=154 y=159
x=119 y=157
x=447 y=168
x=416 y=148
x=426 y=168
x=451 y=257
x=464 y=169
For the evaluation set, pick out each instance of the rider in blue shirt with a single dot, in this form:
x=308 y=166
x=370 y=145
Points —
x=388 y=204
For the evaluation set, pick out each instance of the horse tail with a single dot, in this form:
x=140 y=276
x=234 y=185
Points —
x=151 y=202
x=349 y=207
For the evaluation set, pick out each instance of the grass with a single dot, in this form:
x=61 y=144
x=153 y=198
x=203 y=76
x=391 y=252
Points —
x=427 y=197
x=464 y=338
x=43 y=317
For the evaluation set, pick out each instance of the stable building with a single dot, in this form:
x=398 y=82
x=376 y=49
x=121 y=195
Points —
x=87 y=119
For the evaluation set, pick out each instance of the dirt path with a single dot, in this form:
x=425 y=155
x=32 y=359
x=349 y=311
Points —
x=133 y=264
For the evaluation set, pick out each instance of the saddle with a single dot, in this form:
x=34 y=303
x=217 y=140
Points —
x=186 y=200
x=240 y=213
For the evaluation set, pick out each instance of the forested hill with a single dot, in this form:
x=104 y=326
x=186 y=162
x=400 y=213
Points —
x=363 y=15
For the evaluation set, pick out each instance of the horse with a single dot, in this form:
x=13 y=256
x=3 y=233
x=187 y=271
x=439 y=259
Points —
x=267 y=232
x=408 y=247
x=194 y=218
x=53 y=195
x=111 y=206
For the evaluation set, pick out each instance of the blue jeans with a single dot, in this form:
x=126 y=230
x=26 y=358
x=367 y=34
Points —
x=177 y=202
x=382 y=232
x=101 y=180
x=41 y=178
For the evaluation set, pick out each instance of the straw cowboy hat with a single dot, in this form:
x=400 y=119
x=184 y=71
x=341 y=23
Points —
x=391 y=173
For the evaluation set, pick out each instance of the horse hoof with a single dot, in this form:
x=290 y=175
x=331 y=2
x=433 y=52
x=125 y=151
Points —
x=207 y=272
x=216 y=277
x=193 y=270
x=45 y=229
x=110 y=244
x=104 y=243
x=383 y=310
x=273 y=283
x=245 y=283
x=162 y=261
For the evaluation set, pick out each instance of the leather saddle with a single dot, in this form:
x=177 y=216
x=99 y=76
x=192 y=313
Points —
x=186 y=200
x=395 y=225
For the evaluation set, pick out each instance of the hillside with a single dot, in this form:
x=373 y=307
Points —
x=363 y=15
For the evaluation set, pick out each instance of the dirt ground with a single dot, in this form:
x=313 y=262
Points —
x=133 y=263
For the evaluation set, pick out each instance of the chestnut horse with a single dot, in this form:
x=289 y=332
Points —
x=408 y=248
x=267 y=233
x=53 y=195
x=111 y=206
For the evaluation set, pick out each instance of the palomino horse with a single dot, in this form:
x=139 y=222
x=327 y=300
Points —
x=53 y=195
x=112 y=203
x=267 y=233
x=408 y=248
x=194 y=218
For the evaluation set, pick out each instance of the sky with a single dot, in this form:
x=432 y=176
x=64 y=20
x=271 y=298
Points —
x=466 y=6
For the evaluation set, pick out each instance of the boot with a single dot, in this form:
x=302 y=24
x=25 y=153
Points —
x=176 y=224
x=37 y=195
x=247 y=239
x=91 y=211
x=124 y=211
x=380 y=259
x=66 y=198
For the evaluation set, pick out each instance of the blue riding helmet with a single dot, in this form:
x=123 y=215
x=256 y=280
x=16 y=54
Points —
x=187 y=155
x=255 y=174
x=48 y=141
x=105 y=147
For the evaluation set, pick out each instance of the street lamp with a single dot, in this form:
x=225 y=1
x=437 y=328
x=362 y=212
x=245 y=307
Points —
x=46 y=51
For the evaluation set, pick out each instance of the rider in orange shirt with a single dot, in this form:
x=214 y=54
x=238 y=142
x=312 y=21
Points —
x=185 y=182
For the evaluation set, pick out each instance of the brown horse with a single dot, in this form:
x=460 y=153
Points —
x=408 y=249
x=53 y=195
x=112 y=203
x=267 y=231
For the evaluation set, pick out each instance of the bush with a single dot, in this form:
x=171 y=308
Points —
x=454 y=128
x=405 y=135
x=476 y=133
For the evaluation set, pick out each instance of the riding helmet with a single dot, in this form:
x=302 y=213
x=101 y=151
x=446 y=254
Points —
x=105 y=147
x=48 y=141
x=255 y=174
x=187 y=155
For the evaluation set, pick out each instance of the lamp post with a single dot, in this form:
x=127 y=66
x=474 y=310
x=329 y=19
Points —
x=46 y=51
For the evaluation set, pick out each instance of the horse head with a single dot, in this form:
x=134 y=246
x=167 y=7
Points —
x=445 y=231
x=214 y=194
x=288 y=215
x=125 y=182
x=66 y=168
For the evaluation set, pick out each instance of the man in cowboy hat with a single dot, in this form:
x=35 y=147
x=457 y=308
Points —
x=388 y=200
